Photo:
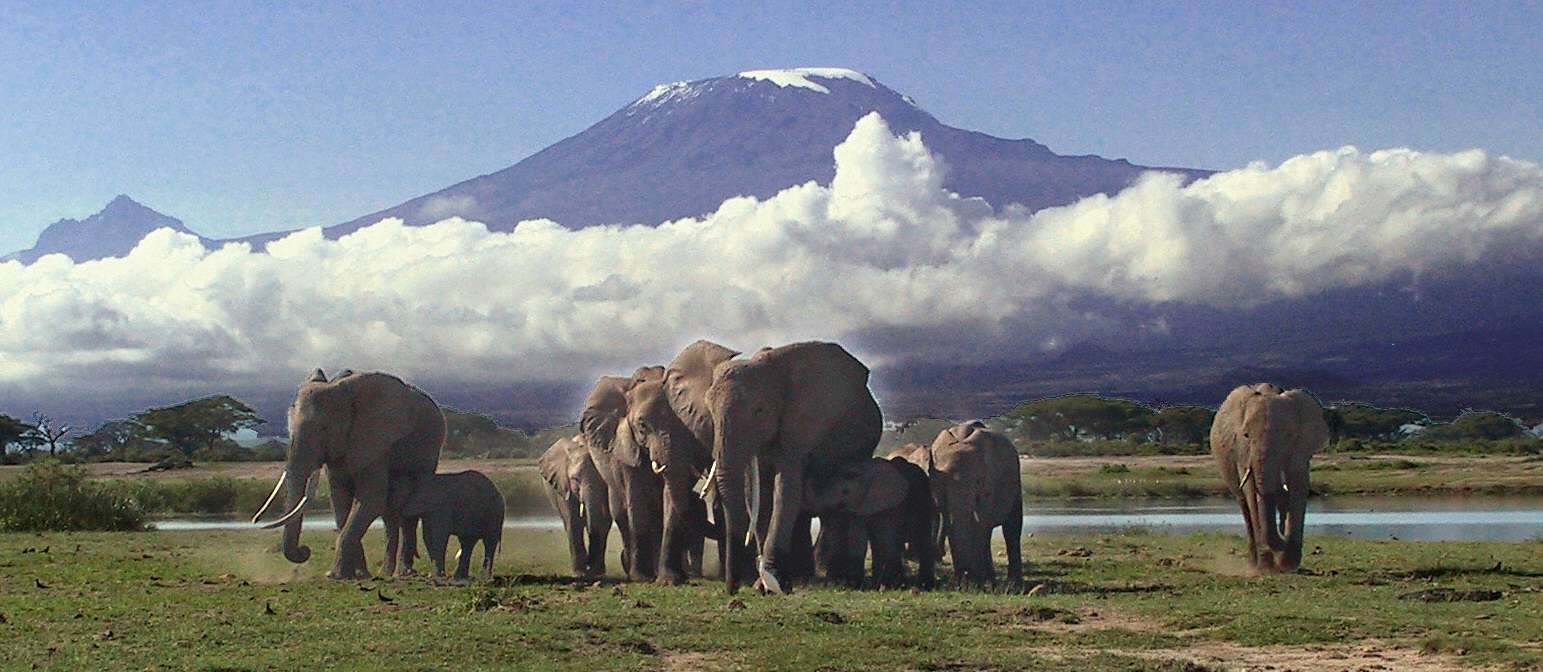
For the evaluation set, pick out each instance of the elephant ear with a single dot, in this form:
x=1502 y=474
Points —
x=686 y=381
x=886 y=488
x=627 y=449
x=383 y=409
x=553 y=465
x=603 y=412
x=1310 y=421
x=824 y=384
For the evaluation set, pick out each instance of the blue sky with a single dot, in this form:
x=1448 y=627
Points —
x=242 y=117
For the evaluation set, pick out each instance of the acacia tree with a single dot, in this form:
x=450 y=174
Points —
x=1077 y=416
x=12 y=432
x=115 y=439
x=202 y=423
x=1183 y=424
x=48 y=431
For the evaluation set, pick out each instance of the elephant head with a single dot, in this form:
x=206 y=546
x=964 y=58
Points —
x=808 y=400
x=604 y=424
x=861 y=489
x=319 y=422
x=1265 y=438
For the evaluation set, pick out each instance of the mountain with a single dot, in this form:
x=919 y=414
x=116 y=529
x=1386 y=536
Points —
x=681 y=149
x=113 y=232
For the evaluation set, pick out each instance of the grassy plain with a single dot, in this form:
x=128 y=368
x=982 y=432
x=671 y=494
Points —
x=226 y=600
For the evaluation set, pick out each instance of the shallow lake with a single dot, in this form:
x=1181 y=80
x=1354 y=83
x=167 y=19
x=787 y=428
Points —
x=1413 y=518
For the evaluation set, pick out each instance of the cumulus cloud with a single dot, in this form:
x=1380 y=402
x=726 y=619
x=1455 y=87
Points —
x=883 y=257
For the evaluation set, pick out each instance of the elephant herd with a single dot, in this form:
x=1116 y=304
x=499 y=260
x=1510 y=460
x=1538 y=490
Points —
x=748 y=452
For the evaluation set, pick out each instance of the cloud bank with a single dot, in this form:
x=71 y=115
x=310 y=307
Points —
x=884 y=257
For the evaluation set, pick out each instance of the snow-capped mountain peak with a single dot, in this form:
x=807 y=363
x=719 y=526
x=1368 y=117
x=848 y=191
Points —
x=803 y=78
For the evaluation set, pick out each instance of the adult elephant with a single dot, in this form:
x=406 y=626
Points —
x=373 y=433
x=669 y=418
x=1263 y=440
x=576 y=491
x=975 y=475
x=634 y=490
x=784 y=413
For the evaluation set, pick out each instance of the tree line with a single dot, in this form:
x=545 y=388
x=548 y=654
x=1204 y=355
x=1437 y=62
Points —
x=1086 y=421
x=202 y=430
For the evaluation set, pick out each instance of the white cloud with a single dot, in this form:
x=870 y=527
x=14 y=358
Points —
x=883 y=256
x=444 y=207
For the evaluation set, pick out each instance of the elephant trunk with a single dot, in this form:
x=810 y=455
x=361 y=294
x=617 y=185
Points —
x=295 y=499
x=729 y=478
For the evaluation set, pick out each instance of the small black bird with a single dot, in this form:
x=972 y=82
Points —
x=268 y=609
x=40 y=584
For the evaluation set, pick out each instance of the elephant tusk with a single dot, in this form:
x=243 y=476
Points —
x=271 y=496
x=755 y=497
x=1247 y=473
x=581 y=509
x=707 y=483
x=658 y=468
x=280 y=522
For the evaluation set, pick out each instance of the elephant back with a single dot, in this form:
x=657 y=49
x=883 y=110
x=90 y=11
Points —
x=386 y=413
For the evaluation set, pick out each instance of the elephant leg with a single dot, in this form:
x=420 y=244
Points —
x=463 y=557
x=1296 y=518
x=618 y=500
x=573 y=527
x=489 y=551
x=801 y=562
x=645 y=515
x=597 y=519
x=1012 y=536
x=984 y=564
x=961 y=542
x=436 y=538
x=883 y=533
x=409 y=551
x=369 y=504
x=393 y=541
x=787 y=499
x=679 y=531
x=1248 y=523
x=338 y=488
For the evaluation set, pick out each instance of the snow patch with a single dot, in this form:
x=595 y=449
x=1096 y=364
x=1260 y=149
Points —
x=664 y=93
x=799 y=77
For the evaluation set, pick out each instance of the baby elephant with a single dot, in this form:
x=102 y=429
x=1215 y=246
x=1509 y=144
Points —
x=885 y=504
x=466 y=505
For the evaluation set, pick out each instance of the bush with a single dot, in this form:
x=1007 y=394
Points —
x=49 y=496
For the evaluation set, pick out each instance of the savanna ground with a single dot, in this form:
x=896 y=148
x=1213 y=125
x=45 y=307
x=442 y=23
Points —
x=1131 y=601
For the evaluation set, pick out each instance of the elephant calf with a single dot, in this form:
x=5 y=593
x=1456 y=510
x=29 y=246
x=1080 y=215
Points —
x=885 y=504
x=466 y=505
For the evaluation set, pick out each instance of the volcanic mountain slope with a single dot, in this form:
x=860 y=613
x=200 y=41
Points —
x=109 y=233
x=682 y=149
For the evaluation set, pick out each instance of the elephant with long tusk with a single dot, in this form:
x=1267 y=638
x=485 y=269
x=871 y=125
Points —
x=372 y=432
x=1263 y=440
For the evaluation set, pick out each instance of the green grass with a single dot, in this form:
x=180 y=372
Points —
x=1136 y=601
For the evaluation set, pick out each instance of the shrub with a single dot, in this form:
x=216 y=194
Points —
x=49 y=496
